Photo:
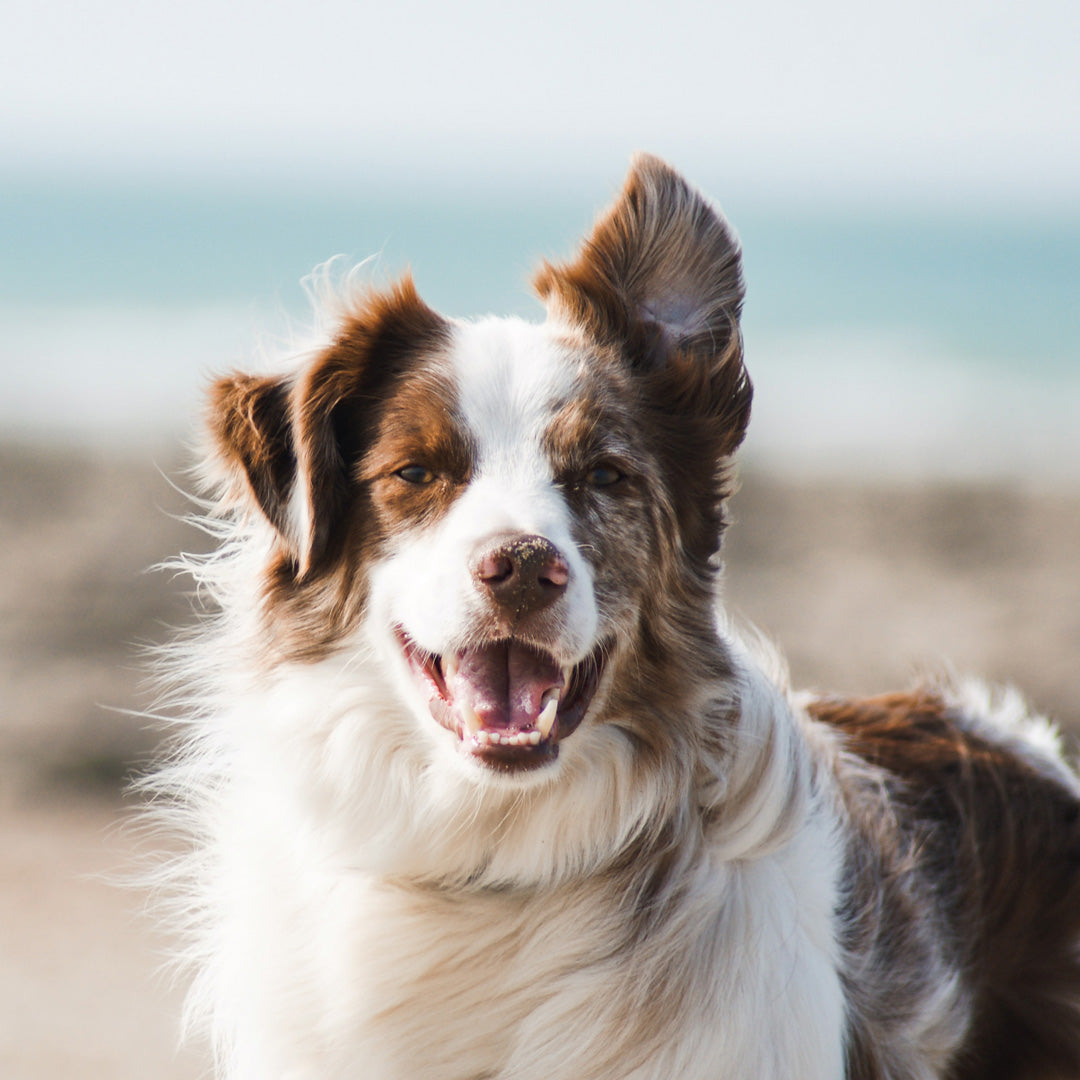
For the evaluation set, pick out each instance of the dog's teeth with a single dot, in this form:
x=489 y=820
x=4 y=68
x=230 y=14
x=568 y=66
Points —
x=482 y=738
x=472 y=722
x=534 y=738
x=546 y=720
x=450 y=666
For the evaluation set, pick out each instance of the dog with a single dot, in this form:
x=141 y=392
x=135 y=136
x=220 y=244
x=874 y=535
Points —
x=479 y=785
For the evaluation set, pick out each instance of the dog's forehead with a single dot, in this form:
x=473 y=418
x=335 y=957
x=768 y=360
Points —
x=510 y=376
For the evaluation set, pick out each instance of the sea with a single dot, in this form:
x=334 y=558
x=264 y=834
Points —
x=883 y=341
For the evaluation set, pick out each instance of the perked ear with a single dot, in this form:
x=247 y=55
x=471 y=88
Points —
x=660 y=277
x=287 y=442
x=660 y=263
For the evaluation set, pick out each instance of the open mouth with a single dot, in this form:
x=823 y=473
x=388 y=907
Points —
x=510 y=703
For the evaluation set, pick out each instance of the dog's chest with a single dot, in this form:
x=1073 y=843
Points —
x=398 y=982
x=421 y=983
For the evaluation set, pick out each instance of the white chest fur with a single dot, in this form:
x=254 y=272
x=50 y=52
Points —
x=349 y=976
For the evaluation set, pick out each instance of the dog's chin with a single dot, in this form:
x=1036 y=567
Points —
x=508 y=702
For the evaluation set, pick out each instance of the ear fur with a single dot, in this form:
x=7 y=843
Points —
x=287 y=443
x=660 y=278
x=248 y=419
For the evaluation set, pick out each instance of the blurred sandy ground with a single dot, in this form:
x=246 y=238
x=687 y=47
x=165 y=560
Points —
x=862 y=585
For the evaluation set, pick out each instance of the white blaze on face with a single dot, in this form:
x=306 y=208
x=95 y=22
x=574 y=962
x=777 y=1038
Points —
x=509 y=376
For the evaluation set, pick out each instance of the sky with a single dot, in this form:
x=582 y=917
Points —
x=925 y=99
x=205 y=129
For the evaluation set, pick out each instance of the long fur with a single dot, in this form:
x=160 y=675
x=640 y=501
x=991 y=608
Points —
x=697 y=873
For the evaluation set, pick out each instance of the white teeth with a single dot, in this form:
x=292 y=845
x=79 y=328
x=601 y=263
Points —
x=472 y=722
x=450 y=666
x=517 y=738
x=546 y=720
x=475 y=731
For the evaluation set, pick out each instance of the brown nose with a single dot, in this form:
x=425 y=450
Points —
x=522 y=573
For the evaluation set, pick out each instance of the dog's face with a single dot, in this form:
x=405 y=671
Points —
x=520 y=518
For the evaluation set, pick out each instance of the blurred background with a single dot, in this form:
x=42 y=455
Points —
x=906 y=182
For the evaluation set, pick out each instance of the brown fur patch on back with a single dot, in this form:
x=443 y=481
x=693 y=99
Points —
x=983 y=845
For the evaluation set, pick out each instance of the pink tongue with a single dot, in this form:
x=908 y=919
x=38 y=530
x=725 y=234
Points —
x=504 y=684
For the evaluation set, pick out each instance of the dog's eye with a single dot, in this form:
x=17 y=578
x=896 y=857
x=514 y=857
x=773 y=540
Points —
x=603 y=476
x=416 y=474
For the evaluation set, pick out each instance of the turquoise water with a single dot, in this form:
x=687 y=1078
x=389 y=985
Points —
x=150 y=287
x=990 y=287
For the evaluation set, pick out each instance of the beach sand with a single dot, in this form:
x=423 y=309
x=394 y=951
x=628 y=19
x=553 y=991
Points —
x=862 y=585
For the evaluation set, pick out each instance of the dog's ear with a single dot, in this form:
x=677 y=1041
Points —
x=279 y=449
x=288 y=443
x=249 y=422
x=660 y=278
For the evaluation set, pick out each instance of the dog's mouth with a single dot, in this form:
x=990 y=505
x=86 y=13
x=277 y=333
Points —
x=510 y=703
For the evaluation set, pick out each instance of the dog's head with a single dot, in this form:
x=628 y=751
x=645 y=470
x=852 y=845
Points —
x=521 y=519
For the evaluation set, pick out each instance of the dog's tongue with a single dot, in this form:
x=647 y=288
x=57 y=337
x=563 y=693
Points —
x=503 y=684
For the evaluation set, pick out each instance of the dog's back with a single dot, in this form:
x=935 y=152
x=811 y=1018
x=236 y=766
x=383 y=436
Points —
x=965 y=841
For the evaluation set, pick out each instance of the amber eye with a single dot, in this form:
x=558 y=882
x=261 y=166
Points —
x=603 y=476
x=416 y=474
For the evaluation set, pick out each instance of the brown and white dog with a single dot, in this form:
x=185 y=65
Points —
x=480 y=786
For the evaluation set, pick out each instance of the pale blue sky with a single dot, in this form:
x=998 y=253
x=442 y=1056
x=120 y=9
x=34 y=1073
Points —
x=926 y=98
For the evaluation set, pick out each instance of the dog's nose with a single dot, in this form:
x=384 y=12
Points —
x=522 y=573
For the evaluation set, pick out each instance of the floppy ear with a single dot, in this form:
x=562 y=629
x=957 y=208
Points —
x=288 y=443
x=660 y=278
x=280 y=450
x=249 y=422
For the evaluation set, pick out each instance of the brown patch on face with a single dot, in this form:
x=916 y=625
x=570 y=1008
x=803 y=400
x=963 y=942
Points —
x=654 y=593
x=658 y=287
x=313 y=452
x=592 y=444
x=975 y=852
x=421 y=457
x=339 y=395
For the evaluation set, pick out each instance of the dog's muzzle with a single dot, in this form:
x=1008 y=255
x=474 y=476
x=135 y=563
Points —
x=507 y=697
